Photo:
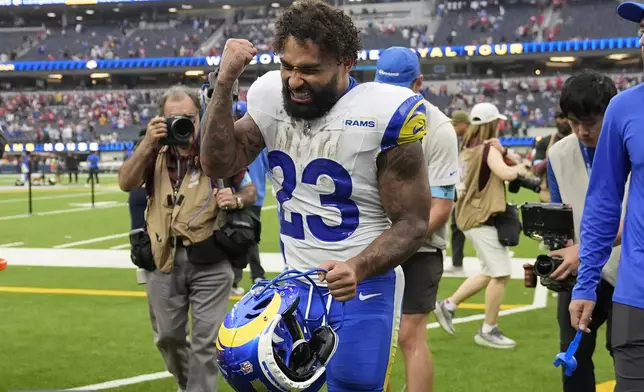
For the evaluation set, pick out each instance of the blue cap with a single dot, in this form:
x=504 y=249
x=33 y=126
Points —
x=631 y=11
x=239 y=108
x=398 y=66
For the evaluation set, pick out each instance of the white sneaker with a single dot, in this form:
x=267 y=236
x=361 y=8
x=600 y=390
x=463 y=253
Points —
x=494 y=339
x=237 y=290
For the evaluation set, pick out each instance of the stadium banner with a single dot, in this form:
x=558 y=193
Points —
x=495 y=50
x=526 y=141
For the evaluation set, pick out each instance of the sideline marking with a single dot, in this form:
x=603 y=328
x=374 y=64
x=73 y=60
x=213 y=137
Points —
x=11 y=244
x=122 y=246
x=56 y=212
x=123 y=382
x=608 y=386
x=91 y=241
x=66 y=196
x=126 y=293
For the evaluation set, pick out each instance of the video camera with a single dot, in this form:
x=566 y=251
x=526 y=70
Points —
x=180 y=130
x=553 y=224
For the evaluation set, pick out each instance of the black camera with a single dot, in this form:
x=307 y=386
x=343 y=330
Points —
x=531 y=183
x=180 y=130
x=553 y=224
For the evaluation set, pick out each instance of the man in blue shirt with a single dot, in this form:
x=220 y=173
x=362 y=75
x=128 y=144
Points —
x=619 y=153
x=93 y=160
x=584 y=99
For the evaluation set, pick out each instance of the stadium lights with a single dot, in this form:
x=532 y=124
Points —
x=225 y=6
x=563 y=59
x=275 y=5
x=194 y=72
x=55 y=76
x=89 y=12
x=99 y=75
x=79 y=18
x=537 y=72
x=116 y=9
x=51 y=15
x=186 y=6
x=172 y=9
x=618 y=56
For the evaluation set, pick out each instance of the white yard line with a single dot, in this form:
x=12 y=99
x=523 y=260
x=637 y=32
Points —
x=69 y=196
x=11 y=244
x=122 y=246
x=91 y=241
x=123 y=382
x=57 y=212
x=271 y=207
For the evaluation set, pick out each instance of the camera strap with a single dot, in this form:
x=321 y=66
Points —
x=584 y=151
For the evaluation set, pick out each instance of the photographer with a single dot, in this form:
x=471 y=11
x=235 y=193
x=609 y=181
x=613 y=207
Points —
x=584 y=99
x=540 y=162
x=481 y=202
x=187 y=268
x=3 y=141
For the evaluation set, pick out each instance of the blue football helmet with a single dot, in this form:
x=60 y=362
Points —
x=265 y=345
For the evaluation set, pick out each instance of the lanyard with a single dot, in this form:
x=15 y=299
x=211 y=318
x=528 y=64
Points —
x=584 y=151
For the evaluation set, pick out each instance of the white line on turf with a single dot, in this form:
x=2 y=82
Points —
x=123 y=382
x=38 y=198
x=122 y=246
x=11 y=244
x=91 y=241
x=57 y=212
x=539 y=302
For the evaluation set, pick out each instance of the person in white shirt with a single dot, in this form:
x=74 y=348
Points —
x=400 y=66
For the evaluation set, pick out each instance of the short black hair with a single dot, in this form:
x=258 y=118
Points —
x=586 y=95
x=326 y=26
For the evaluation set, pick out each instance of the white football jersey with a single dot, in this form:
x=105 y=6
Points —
x=324 y=170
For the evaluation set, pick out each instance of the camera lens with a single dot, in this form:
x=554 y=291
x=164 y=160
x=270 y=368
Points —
x=544 y=266
x=183 y=127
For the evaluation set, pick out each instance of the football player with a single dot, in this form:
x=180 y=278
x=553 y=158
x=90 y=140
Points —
x=352 y=183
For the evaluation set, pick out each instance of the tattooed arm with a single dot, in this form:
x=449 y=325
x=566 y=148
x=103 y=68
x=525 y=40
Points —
x=227 y=146
x=405 y=196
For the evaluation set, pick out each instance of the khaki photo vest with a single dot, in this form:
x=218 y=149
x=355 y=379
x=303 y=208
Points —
x=188 y=215
x=474 y=207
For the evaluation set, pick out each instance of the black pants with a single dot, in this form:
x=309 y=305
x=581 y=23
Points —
x=583 y=379
x=256 y=269
x=93 y=172
x=458 y=242
x=628 y=347
x=75 y=173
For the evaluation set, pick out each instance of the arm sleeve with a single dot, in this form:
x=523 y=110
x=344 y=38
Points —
x=555 y=196
x=602 y=211
x=407 y=124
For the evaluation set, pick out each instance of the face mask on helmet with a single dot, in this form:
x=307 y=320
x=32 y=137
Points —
x=264 y=344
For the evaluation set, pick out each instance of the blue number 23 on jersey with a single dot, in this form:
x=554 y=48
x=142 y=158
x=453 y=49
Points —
x=340 y=199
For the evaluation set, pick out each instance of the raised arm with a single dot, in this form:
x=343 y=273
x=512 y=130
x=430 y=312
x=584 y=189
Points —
x=227 y=146
x=405 y=196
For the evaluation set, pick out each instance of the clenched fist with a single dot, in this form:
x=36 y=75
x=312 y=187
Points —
x=341 y=279
x=238 y=53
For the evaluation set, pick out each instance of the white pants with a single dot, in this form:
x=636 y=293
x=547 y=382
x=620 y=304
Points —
x=494 y=257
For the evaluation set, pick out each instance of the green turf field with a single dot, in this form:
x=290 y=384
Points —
x=61 y=339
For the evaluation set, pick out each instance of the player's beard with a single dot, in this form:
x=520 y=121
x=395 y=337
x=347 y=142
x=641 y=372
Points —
x=322 y=100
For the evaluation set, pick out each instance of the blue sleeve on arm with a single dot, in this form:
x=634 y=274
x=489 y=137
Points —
x=602 y=211
x=245 y=181
x=553 y=186
x=444 y=192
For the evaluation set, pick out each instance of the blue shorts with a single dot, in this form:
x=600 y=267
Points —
x=368 y=334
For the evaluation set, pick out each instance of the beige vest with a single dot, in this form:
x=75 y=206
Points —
x=572 y=178
x=193 y=221
x=474 y=207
